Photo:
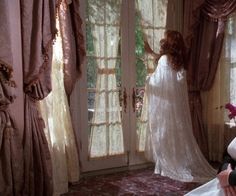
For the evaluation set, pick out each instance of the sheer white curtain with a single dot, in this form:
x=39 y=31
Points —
x=58 y=127
x=106 y=129
x=220 y=129
x=153 y=22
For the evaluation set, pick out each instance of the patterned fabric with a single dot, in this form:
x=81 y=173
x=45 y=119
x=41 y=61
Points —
x=137 y=182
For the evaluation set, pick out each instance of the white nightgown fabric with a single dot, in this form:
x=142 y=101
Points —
x=170 y=142
x=213 y=187
x=231 y=149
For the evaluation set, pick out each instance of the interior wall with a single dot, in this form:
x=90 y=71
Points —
x=17 y=107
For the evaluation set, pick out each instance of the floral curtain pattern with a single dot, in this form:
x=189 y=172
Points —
x=58 y=129
x=153 y=22
x=106 y=136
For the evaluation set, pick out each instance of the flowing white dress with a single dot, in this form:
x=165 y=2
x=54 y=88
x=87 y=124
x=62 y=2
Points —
x=170 y=142
x=213 y=187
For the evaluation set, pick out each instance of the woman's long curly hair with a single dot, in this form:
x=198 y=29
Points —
x=173 y=46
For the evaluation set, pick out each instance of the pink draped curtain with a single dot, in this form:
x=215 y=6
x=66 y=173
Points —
x=38 y=32
x=11 y=151
x=72 y=42
x=25 y=166
x=205 y=40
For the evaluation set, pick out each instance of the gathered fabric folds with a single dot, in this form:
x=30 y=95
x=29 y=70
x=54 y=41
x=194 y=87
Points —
x=170 y=141
x=58 y=127
x=38 y=31
x=11 y=151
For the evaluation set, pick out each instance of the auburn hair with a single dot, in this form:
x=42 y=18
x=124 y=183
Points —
x=174 y=47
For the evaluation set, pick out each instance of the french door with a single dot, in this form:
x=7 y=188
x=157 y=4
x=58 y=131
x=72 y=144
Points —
x=112 y=113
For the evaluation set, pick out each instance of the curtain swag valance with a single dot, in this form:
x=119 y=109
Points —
x=218 y=9
x=107 y=71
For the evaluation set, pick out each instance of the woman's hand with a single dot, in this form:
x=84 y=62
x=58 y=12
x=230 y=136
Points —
x=223 y=176
x=230 y=191
x=148 y=49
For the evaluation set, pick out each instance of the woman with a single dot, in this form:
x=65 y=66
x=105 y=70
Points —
x=170 y=141
x=225 y=183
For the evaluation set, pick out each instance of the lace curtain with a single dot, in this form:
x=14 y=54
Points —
x=58 y=127
x=106 y=129
x=153 y=17
x=220 y=129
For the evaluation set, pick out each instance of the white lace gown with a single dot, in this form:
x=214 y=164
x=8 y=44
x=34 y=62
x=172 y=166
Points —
x=213 y=187
x=170 y=142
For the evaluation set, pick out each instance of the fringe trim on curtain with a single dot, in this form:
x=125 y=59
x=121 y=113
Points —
x=30 y=87
x=6 y=74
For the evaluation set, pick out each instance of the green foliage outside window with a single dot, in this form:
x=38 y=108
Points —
x=139 y=52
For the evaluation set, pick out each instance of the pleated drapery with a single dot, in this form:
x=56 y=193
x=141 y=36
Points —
x=219 y=127
x=25 y=165
x=206 y=41
x=11 y=150
x=38 y=32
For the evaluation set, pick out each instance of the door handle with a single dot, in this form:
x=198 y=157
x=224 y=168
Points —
x=125 y=99
x=134 y=100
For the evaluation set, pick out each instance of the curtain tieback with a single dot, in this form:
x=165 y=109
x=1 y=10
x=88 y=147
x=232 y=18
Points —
x=150 y=70
x=106 y=71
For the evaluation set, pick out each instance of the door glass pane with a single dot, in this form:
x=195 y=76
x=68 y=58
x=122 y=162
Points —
x=150 y=27
x=141 y=73
x=103 y=78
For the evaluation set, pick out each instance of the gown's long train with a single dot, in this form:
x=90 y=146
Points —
x=170 y=142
